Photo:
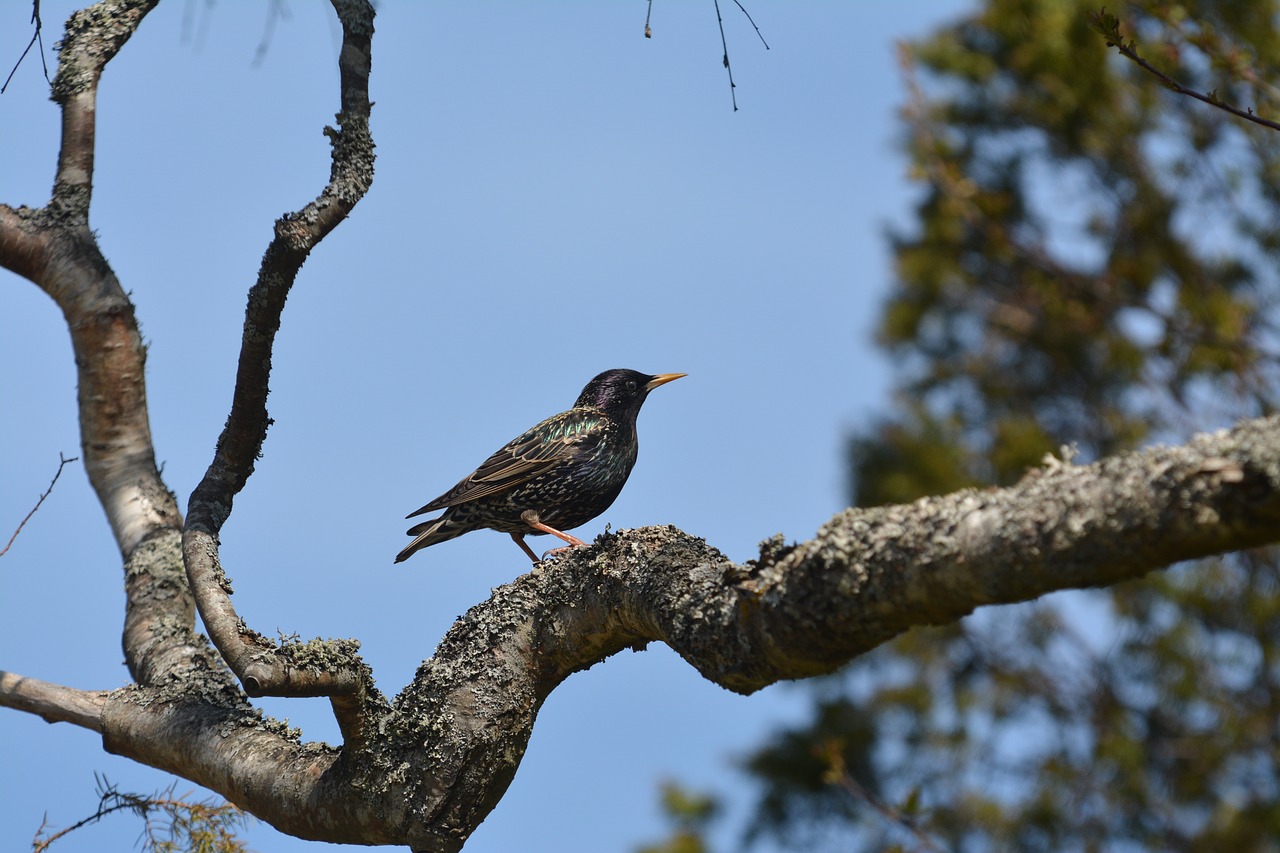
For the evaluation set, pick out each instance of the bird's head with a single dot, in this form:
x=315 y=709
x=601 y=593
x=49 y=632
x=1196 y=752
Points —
x=621 y=392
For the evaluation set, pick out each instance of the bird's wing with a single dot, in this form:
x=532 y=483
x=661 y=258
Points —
x=540 y=449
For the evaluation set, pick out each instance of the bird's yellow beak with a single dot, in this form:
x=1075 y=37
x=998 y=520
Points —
x=662 y=379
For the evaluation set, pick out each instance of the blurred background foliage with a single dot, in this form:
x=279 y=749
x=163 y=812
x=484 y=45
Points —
x=1093 y=264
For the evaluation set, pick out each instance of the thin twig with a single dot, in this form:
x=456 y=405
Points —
x=35 y=37
x=41 y=844
x=725 y=44
x=218 y=819
x=648 y=33
x=106 y=793
x=753 y=23
x=1109 y=27
x=62 y=462
x=1209 y=42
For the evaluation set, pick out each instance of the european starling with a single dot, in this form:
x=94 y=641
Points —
x=558 y=475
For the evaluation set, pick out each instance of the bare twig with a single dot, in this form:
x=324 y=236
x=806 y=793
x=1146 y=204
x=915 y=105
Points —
x=36 y=37
x=62 y=463
x=744 y=11
x=725 y=44
x=211 y=823
x=1108 y=26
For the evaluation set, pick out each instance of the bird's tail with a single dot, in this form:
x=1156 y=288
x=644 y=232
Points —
x=430 y=532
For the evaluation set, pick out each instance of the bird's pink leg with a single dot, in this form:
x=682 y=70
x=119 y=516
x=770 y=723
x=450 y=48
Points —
x=530 y=518
x=518 y=538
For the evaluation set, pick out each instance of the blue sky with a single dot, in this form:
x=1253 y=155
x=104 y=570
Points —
x=555 y=195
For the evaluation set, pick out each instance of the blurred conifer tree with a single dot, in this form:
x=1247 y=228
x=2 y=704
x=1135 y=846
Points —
x=1094 y=262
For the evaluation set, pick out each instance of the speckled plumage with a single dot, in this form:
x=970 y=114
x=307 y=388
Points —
x=556 y=476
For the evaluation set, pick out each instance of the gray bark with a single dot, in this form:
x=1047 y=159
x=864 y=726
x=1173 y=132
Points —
x=425 y=768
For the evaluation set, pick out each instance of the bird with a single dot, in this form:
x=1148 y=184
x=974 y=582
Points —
x=553 y=477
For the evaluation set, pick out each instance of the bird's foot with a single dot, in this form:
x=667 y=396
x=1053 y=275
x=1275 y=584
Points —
x=555 y=552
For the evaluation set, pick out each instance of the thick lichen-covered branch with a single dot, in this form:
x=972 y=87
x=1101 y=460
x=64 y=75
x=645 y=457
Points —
x=801 y=610
x=262 y=666
x=439 y=757
x=870 y=574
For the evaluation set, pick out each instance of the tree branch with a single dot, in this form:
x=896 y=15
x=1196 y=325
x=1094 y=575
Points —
x=450 y=743
x=870 y=574
x=1108 y=26
x=867 y=576
x=803 y=610
x=264 y=668
x=92 y=38
x=53 y=703
x=54 y=247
